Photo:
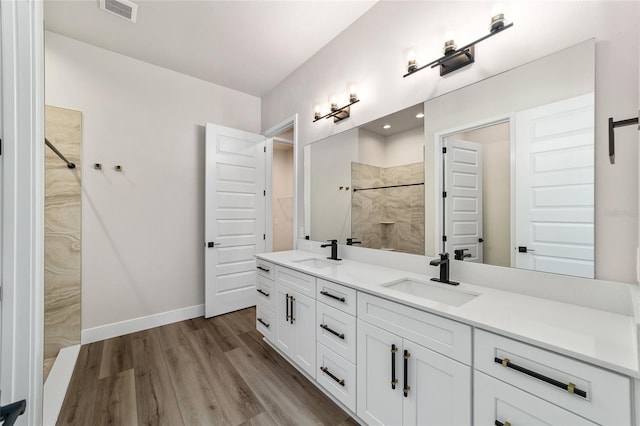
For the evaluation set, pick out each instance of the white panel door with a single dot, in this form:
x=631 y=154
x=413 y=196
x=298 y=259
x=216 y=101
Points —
x=463 y=202
x=234 y=217
x=285 y=328
x=378 y=401
x=555 y=187
x=440 y=389
x=304 y=318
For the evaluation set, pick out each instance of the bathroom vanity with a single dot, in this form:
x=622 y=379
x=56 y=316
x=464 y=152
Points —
x=392 y=347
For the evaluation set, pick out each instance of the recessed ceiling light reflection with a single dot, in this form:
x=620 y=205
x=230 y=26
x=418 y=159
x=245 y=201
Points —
x=386 y=126
x=419 y=115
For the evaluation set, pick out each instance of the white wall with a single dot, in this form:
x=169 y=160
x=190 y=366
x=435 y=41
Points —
x=405 y=147
x=143 y=228
x=370 y=52
x=282 y=199
x=371 y=148
x=331 y=169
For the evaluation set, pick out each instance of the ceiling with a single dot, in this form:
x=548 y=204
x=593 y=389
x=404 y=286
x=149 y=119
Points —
x=400 y=121
x=249 y=46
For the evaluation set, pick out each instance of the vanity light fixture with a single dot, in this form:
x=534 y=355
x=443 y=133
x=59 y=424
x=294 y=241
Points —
x=455 y=58
x=338 y=113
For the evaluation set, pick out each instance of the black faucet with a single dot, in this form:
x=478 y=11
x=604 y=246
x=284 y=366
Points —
x=459 y=254
x=352 y=241
x=334 y=249
x=443 y=262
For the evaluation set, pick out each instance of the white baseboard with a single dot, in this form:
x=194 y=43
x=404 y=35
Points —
x=55 y=388
x=121 y=328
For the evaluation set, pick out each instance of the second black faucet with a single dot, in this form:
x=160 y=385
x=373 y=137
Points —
x=334 y=249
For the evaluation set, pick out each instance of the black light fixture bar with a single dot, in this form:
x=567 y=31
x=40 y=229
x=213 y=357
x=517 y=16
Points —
x=338 y=114
x=467 y=50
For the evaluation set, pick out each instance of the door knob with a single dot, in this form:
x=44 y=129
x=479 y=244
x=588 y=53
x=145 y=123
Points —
x=211 y=244
x=524 y=249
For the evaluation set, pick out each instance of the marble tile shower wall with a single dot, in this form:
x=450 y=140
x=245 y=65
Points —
x=63 y=186
x=388 y=218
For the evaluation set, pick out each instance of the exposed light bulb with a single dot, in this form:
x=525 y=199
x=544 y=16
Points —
x=353 y=93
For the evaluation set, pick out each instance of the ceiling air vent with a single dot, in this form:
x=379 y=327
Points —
x=123 y=8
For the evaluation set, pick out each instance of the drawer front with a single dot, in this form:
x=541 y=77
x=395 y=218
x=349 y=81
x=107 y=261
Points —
x=337 y=295
x=266 y=292
x=337 y=331
x=337 y=375
x=607 y=395
x=497 y=401
x=441 y=335
x=302 y=283
x=266 y=269
x=265 y=322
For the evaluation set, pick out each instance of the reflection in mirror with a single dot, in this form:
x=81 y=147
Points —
x=368 y=184
x=518 y=175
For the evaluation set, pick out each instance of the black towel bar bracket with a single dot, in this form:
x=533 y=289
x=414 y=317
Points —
x=612 y=142
x=59 y=154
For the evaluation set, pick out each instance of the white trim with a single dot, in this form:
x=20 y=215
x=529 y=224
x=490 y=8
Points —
x=121 y=328
x=22 y=38
x=271 y=132
x=438 y=140
x=55 y=388
x=268 y=183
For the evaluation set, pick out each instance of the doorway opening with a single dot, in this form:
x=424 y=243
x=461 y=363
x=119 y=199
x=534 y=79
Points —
x=282 y=195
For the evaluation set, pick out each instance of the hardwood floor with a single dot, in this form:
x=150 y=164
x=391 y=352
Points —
x=215 y=371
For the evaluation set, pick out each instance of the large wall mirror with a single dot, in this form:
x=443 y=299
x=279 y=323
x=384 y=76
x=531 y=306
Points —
x=500 y=172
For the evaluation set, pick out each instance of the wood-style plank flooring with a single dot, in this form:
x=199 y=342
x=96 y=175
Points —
x=214 y=371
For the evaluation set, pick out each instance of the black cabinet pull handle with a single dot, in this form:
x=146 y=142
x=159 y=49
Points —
x=287 y=304
x=570 y=387
x=262 y=322
x=335 y=333
x=264 y=293
x=291 y=300
x=406 y=357
x=263 y=268
x=326 y=371
x=499 y=423
x=394 y=381
x=325 y=293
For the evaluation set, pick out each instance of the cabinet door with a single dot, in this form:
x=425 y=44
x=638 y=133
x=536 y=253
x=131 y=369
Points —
x=439 y=388
x=378 y=403
x=285 y=331
x=304 y=323
x=497 y=401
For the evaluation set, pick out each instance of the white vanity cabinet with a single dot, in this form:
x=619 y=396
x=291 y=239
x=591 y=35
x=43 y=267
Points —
x=265 y=287
x=296 y=317
x=401 y=380
x=521 y=384
x=336 y=341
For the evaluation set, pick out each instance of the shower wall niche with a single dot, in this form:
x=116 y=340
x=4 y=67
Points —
x=62 y=276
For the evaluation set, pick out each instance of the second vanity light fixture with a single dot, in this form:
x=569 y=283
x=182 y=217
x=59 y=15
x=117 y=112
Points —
x=455 y=58
x=338 y=113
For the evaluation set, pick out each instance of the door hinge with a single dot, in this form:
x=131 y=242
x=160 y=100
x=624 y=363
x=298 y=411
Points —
x=444 y=238
x=264 y=236
x=264 y=192
x=444 y=194
x=265 y=149
x=1 y=293
x=444 y=149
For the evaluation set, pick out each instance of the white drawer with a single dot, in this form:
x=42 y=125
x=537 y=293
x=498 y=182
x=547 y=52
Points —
x=302 y=283
x=441 y=335
x=337 y=295
x=337 y=331
x=606 y=396
x=337 y=375
x=266 y=292
x=496 y=402
x=265 y=322
x=266 y=269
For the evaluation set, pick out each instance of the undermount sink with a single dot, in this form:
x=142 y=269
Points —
x=435 y=292
x=317 y=263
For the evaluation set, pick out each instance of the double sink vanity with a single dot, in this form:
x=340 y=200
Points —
x=393 y=347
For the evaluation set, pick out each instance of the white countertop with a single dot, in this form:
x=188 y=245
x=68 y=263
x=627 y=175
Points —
x=598 y=337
